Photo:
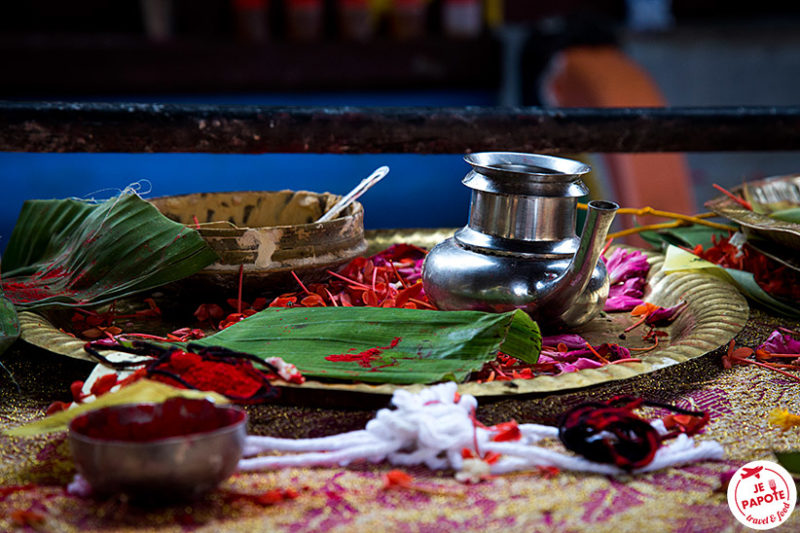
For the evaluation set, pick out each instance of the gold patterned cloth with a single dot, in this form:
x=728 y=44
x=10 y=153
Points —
x=35 y=471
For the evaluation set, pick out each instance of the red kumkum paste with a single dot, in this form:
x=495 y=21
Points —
x=365 y=358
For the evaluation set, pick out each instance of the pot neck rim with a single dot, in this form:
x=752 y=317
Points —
x=527 y=174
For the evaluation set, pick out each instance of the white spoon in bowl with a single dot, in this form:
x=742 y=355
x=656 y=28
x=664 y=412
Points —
x=353 y=195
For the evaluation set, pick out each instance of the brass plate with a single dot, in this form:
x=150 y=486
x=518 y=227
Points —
x=715 y=314
x=770 y=190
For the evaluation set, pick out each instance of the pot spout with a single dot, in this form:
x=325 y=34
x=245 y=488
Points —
x=599 y=217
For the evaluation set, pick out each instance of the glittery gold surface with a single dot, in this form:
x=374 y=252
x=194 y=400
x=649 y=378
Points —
x=353 y=499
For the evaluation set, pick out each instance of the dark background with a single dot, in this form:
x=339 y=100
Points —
x=707 y=53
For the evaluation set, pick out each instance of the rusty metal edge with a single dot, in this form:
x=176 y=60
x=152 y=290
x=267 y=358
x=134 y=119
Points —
x=145 y=128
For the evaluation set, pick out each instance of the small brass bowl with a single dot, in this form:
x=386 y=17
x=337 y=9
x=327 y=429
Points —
x=176 y=450
x=268 y=234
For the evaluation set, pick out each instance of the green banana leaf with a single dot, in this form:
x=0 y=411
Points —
x=74 y=253
x=787 y=215
x=430 y=346
x=688 y=236
x=790 y=461
x=9 y=325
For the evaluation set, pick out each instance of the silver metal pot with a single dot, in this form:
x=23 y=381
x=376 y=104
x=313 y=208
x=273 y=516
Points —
x=519 y=249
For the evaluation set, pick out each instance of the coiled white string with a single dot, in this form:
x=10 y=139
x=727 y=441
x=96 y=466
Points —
x=432 y=428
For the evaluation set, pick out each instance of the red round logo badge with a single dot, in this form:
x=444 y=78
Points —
x=762 y=495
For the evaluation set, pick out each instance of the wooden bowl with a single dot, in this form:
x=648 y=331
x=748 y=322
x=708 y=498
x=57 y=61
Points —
x=269 y=234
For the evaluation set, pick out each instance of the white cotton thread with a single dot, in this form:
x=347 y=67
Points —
x=140 y=188
x=432 y=428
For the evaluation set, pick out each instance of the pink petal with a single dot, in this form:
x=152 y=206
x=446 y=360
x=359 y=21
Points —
x=633 y=287
x=621 y=303
x=624 y=264
x=566 y=368
x=780 y=343
x=544 y=358
x=663 y=316
x=571 y=340
x=583 y=363
x=618 y=352
x=580 y=364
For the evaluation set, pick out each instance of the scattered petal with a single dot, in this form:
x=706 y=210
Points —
x=615 y=303
x=624 y=264
x=396 y=478
x=780 y=343
x=571 y=340
x=784 y=419
x=664 y=316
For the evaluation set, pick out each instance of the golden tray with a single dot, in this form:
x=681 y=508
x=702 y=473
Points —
x=716 y=312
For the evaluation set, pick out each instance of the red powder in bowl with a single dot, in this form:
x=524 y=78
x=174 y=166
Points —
x=150 y=422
